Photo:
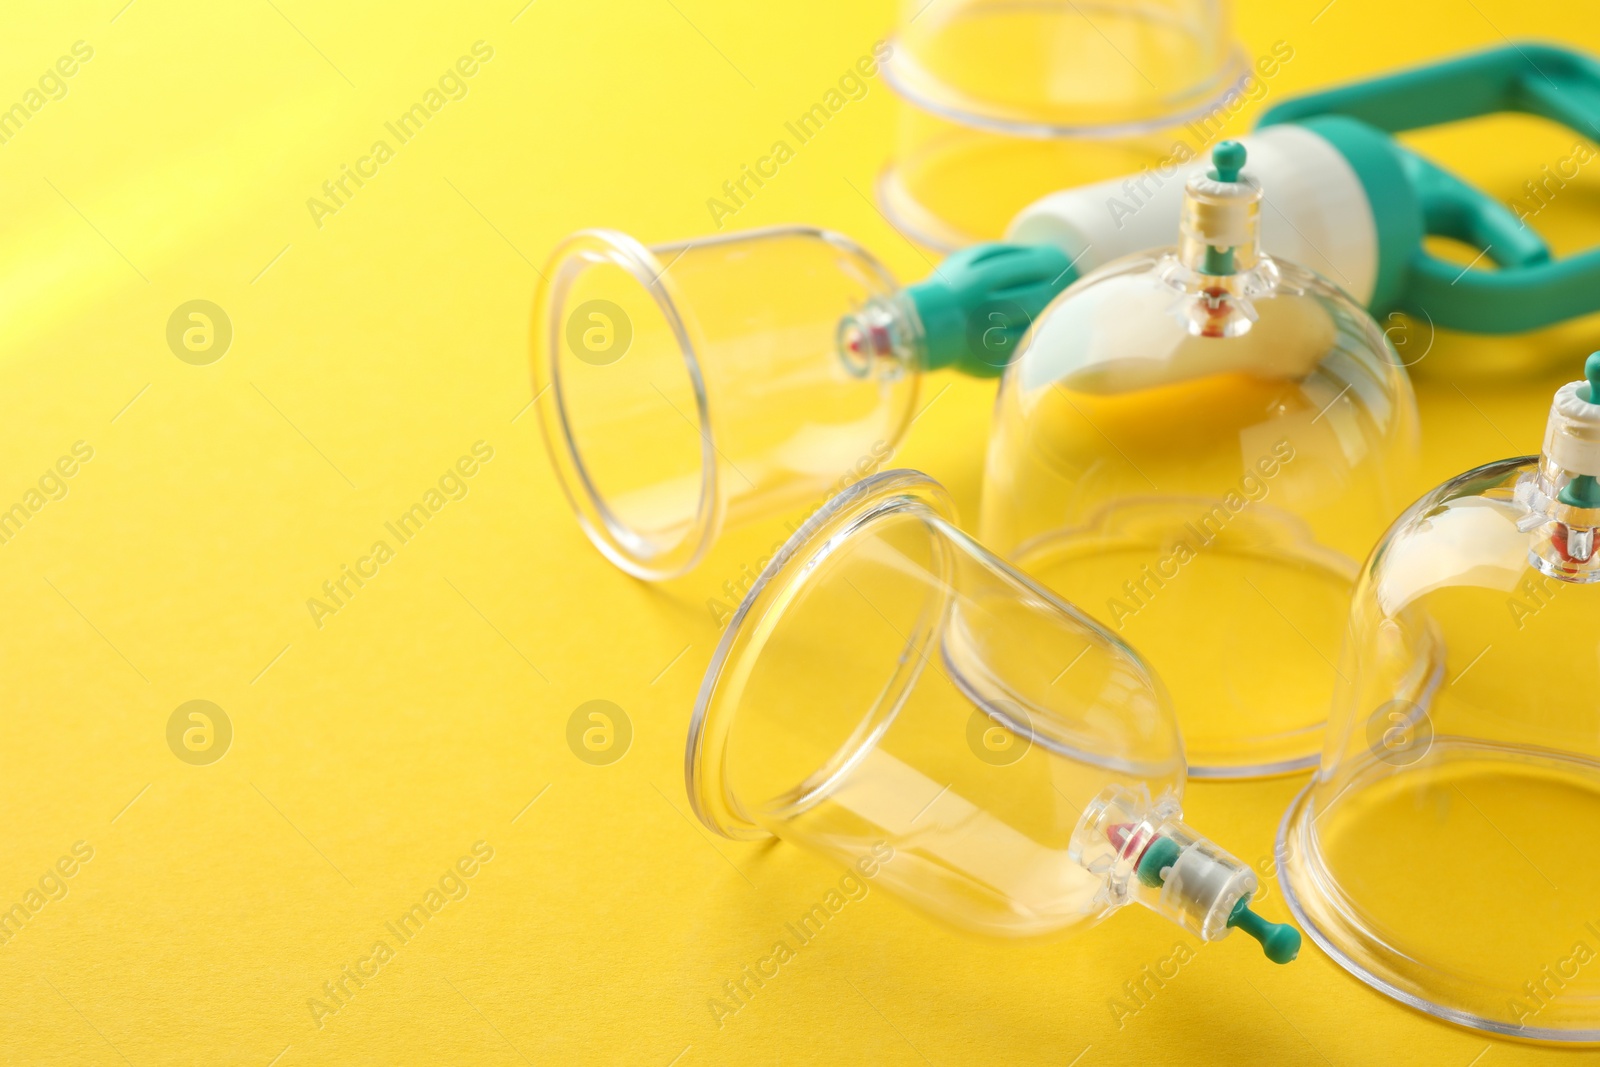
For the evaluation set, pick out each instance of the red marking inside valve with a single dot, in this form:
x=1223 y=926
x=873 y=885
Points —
x=1218 y=305
x=1561 y=541
x=1120 y=834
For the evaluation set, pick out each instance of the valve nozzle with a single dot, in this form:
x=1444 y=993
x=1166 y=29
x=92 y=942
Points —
x=1227 y=160
x=1280 y=941
x=1220 y=227
x=878 y=340
x=1148 y=855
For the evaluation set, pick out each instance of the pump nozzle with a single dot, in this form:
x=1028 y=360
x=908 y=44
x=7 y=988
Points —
x=971 y=316
x=980 y=302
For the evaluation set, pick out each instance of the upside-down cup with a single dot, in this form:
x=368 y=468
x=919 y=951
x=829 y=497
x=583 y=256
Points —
x=692 y=386
x=895 y=698
x=1007 y=102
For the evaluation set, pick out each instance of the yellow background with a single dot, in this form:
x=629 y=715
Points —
x=370 y=754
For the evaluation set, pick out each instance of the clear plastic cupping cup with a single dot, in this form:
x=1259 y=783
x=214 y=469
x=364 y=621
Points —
x=690 y=386
x=1444 y=852
x=1198 y=445
x=895 y=698
x=1007 y=102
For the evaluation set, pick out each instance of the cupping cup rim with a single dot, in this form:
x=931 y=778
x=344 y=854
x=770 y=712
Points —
x=603 y=529
x=904 y=75
x=1295 y=821
x=704 y=781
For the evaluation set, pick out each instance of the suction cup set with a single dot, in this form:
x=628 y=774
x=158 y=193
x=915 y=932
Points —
x=1196 y=446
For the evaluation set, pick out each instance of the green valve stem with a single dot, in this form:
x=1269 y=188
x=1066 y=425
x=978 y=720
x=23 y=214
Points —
x=1227 y=160
x=1162 y=853
x=1280 y=941
x=1584 y=490
x=1218 y=261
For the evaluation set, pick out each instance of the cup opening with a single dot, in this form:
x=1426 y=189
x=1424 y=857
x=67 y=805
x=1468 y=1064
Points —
x=784 y=737
x=614 y=350
x=1416 y=944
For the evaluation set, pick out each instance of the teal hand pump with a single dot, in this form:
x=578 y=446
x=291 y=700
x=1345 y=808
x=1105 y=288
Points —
x=1343 y=197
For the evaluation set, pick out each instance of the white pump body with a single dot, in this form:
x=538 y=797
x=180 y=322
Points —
x=1315 y=211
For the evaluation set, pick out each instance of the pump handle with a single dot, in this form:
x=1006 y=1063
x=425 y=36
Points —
x=1531 y=289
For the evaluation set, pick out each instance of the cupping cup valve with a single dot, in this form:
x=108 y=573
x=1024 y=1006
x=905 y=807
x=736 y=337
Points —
x=895 y=698
x=1465 y=743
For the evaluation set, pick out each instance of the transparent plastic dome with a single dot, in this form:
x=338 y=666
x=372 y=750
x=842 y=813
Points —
x=1198 y=445
x=892 y=696
x=1445 y=850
